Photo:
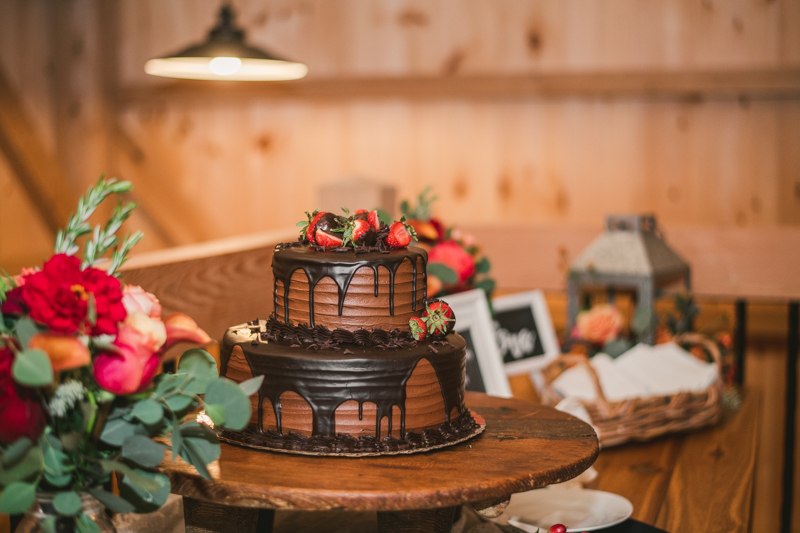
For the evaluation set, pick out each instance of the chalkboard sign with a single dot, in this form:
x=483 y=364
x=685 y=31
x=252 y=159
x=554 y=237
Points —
x=485 y=370
x=524 y=331
x=474 y=380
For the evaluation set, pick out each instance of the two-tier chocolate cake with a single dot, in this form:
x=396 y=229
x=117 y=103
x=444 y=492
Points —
x=356 y=360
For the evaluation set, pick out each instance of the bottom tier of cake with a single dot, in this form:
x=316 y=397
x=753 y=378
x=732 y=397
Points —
x=352 y=398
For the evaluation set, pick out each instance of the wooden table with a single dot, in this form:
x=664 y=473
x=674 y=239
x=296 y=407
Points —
x=525 y=446
x=697 y=481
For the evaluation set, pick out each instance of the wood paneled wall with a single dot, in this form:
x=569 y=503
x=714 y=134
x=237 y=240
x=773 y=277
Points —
x=518 y=112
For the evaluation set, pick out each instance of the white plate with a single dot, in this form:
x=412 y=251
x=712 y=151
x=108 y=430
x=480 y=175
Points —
x=578 y=509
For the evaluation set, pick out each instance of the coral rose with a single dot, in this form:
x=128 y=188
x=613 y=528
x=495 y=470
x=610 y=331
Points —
x=451 y=254
x=58 y=297
x=600 y=324
x=20 y=414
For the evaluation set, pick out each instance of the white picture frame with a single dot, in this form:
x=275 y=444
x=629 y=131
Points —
x=474 y=323
x=515 y=346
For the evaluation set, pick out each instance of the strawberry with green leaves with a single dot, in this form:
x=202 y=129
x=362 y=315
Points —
x=438 y=318
x=356 y=229
x=400 y=234
x=417 y=327
x=308 y=227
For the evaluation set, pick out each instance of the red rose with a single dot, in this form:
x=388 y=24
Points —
x=58 y=297
x=14 y=304
x=20 y=414
x=451 y=254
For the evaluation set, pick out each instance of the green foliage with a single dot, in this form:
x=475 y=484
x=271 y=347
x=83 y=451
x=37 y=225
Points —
x=232 y=399
x=67 y=503
x=17 y=497
x=146 y=491
x=421 y=211
x=24 y=330
x=483 y=266
x=14 y=453
x=641 y=320
x=78 y=225
x=117 y=430
x=616 y=347
x=200 y=366
x=682 y=320
x=25 y=468
x=252 y=385
x=143 y=451
x=32 y=368
x=112 y=501
x=148 y=411
x=443 y=272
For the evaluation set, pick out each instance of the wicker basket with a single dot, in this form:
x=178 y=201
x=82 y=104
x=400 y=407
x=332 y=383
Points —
x=643 y=418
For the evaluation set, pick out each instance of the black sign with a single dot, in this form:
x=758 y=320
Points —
x=474 y=380
x=517 y=335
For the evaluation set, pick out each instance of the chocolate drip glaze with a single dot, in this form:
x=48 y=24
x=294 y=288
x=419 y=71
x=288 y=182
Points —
x=341 y=267
x=327 y=378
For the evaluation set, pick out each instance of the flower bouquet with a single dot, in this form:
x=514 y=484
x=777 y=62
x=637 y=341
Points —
x=80 y=398
x=455 y=263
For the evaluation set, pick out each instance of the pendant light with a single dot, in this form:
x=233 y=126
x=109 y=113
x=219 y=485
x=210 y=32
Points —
x=225 y=56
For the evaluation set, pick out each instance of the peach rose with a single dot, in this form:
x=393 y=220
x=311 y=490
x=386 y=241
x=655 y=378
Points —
x=600 y=324
x=65 y=351
x=135 y=299
x=152 y=330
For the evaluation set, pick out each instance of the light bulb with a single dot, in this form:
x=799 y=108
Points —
x=225 y=66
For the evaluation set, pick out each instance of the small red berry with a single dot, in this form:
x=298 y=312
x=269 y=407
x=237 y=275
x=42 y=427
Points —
x=400 y=234
x=417 y=327
x=557 y=528
x=310 y=225
x=374 y=221
x=438 y=317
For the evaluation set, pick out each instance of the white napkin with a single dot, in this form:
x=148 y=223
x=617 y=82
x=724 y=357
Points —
x=641 y=372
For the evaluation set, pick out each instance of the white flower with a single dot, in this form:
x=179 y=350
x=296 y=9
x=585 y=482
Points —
x=66 y=396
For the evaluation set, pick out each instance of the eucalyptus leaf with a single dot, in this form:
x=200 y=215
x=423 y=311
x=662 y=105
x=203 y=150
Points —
x=483 y=266
x=32 y=368
x=25 y=468
x=193 y=454
x=67 y=503
x=56 y=461
x=58 y=480
x=137 y=476
x=446 y=274
x=148 y=411
x=165 y=383
x=16 y=451
x=226 y=393
x=486 y=284
x=252 y=385
x=17 y=497
x=117 y=430
x=217 y=413
x=176 y=437
x=48 y=524
x=180 y=402
x=145 y=498
x=112 y=501
x=204 y=439
x=201 y=366
x=143 y=451
x=86 y=525
x=26 y=329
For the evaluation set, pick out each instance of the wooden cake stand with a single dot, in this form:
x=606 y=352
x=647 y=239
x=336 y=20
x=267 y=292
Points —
x=525 y=446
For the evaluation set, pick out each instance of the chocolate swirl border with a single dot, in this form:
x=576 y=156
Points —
x=323 y=336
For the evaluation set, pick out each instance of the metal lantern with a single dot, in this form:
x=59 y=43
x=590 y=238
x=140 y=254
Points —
x=630 y=255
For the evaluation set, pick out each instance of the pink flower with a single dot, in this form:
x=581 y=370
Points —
x=135 y=298
x=138 y=349
x=451 y=254
x=599 y=325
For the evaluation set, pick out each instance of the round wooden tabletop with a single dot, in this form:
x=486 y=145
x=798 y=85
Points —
x=525 y=446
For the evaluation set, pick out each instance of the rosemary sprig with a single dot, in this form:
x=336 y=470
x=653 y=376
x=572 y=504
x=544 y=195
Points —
x=105 y=239
x=78 y=226
x=120 y=255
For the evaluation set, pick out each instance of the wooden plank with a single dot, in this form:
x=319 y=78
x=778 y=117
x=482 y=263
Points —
x=38 y=173
x=680 y=85
x=712 y=483
x=218 y=284
x=641 y=472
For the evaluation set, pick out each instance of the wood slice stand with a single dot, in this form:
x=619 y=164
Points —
x=525 y=446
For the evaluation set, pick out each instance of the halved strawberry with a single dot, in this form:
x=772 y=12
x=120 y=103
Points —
x=328 y=240
x=373 y=220
x=359 y=211
x=400 y=234
x=438 y=317
x=308 y=226
x=417 y=327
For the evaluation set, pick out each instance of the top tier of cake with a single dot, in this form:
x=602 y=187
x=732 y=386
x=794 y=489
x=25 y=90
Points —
x=349 y=290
